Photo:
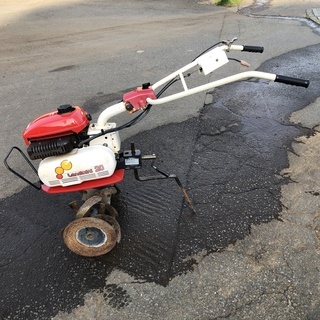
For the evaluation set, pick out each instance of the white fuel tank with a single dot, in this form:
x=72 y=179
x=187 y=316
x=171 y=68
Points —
x=89 y=163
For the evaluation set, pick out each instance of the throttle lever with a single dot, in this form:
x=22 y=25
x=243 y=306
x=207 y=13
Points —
x=229 y=42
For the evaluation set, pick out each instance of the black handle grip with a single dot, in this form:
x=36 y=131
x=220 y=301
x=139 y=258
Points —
x=293 y=81
x=253 y=49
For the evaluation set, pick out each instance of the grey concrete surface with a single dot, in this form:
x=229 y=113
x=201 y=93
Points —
x=314 y=14
x=273 y=273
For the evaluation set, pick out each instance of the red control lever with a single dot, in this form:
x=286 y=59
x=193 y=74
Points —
x=137 y=99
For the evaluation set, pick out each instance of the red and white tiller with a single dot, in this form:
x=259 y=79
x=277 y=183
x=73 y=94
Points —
x=80 y=155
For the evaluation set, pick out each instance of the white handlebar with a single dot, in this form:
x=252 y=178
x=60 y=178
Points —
x=207 y=63
x=214 y=84
x=212 y=60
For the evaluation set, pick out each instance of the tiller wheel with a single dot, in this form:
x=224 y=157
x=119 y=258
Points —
x=89 y=236
x=95 y=231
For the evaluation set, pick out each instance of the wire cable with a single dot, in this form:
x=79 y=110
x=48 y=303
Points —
x=123 y=126
x=144 y=113
x=207 y=50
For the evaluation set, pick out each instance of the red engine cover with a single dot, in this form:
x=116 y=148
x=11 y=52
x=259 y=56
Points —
x=64 y=121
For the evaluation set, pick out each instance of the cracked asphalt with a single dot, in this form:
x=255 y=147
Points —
x=249 y=158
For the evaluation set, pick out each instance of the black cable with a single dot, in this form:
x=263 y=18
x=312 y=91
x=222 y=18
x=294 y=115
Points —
x=233 y=59
x=124 y=126
x=170 y=83
x=146 y=110
x=207 y=50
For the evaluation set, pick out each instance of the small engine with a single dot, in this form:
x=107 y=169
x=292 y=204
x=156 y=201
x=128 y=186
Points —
x=55 y=137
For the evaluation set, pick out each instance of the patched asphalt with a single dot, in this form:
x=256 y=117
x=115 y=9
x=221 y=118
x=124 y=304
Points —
x=229 y=158
x=251 y=249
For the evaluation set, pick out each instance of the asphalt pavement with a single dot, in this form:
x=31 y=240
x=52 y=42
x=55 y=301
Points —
x=248 y=154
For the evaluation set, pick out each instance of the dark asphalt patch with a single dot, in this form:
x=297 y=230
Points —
x=38 y=274
x=229 y=158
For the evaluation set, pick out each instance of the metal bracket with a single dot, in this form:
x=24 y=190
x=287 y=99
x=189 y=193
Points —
x=18 y=174
x=163 y=175
x=229 y=42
